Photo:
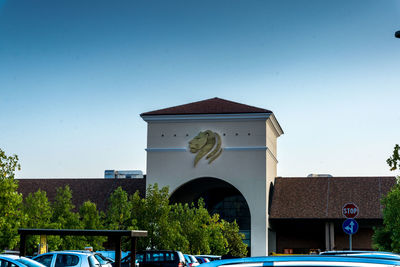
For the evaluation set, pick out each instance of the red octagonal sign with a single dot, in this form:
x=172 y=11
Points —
x=350 y=210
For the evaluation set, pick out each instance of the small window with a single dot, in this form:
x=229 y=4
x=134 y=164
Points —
x=66 y=260
x=93 y=262
x=100 y=259
x=45 y=260
x=169 y=256
x=154 y=257
x=4 y=263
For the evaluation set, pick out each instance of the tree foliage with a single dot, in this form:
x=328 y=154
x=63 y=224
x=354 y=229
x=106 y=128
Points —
x=236 y=247
x=65 y=217
x=39 y=213
x=185 y=227
x=387 y=237
x=11 y=215
x=92 y=219
x=154 y=217
x=118 y=212
x=394 y=160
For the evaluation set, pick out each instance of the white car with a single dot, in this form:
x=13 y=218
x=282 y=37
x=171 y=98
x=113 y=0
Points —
x=17 y=261
x=104 y=261
x=67 y=259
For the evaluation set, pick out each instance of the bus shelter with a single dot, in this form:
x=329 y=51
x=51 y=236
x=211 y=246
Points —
x=112 y=235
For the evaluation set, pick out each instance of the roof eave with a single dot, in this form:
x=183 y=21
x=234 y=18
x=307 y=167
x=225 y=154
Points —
x=219 y=117
x=276 y=125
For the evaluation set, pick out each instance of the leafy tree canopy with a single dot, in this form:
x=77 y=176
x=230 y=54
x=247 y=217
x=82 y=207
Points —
x=65 y=217
x=186 y=227
x=11 y=215
x=92 y=219
x=387 y=237
x=39 y=213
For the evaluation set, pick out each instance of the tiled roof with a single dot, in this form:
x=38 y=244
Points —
x=95 y=190
x=323 y=197
x=209 y=106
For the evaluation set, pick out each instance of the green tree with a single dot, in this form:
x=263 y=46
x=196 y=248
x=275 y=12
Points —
x=394 y=160
x=119 y=210
x=218 y=242
x=39 y=213
x=234 y=238
x=152 y=214
x=66 y=218
x=196 y=227
x=185 y=227
x=11 y=215
x=387 y=237
x=92 y=219
x=119 y=214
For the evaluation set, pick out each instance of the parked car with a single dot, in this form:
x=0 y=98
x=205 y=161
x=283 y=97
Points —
x=210 y=257
x=17 y=261
x=111 y=254
x=104 y=261
x=156 y=258
x=311 y=260
x=191 y=260
x=362 y=253
x=202 y=259
x=68 y=258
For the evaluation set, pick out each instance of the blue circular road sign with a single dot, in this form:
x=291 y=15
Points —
x=350 y=226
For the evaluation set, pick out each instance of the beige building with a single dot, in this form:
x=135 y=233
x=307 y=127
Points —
x=221 y=151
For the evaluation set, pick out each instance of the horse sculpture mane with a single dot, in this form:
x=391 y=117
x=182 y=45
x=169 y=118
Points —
x=206 y=143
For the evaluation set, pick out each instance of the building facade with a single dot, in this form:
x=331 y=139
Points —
x=225 y=153
x=221 y=151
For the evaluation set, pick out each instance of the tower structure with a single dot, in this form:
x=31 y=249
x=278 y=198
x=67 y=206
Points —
x=223 y=152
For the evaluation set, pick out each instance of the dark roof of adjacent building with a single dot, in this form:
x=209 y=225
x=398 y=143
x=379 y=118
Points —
x=324 y=197
x=292 y=198
x=209 y=106
x=95 y=190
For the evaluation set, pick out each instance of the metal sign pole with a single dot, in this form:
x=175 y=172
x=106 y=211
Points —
x=350 y=242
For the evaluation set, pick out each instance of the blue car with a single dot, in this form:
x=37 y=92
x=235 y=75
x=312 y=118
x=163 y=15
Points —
x=304 y=261
x=363 y=254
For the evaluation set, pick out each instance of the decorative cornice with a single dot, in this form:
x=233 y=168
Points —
x=246 y=148
x=213 y=117
x=168 y=149
x=276 y=125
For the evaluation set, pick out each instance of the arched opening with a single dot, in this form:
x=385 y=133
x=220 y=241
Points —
x=219 y=197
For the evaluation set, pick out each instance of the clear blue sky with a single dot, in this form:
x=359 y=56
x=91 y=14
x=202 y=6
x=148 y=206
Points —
x=76 y=74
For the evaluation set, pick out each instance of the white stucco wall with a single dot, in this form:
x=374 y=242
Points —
x=244 y=162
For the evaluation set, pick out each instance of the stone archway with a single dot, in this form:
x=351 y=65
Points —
x=219 y=197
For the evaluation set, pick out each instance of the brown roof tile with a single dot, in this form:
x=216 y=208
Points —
x=209 y=106
x=95 y=190
x=323 y=197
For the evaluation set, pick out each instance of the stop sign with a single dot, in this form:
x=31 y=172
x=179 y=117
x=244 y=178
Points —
x=350 y=210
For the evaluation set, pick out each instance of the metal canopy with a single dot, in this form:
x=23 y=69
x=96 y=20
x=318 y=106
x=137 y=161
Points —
x=113 y=234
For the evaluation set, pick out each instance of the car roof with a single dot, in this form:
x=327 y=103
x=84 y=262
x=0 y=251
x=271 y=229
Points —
x=64 y=252
x=339 y=252
x=369 y=254
x=11 y=256
x=304 y=261
x=19 y=260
